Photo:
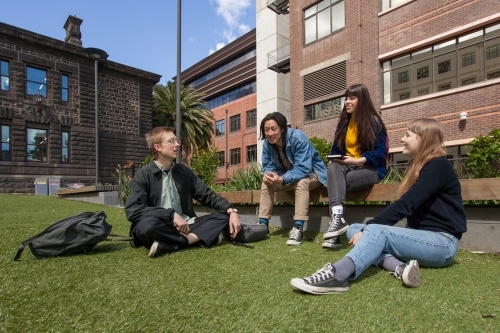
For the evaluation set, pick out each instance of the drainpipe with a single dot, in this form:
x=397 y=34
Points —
x=227 y=152
x=360 y=51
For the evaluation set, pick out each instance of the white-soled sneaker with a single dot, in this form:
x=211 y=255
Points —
x=332 y=243
x=296 y=237
x=409 y=273
x=337 y=226
x=322 y=282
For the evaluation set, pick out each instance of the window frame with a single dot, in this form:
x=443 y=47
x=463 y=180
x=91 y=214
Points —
x=8 y=142
x=233 y=154
x=314 y=14
x=251 y=118
x=3 y=75
x=222 y=162
x=67 y=147
x=28 y=144
x=220 y=124
x=251 y=152
x=235 y=123
x=27 y=80
x=64 y=88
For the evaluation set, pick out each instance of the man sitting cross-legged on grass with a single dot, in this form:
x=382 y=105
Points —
x=160 y=204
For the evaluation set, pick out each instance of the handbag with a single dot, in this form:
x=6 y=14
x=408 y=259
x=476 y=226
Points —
x=250 y=232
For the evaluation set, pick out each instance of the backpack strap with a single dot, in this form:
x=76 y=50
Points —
x=121 y=238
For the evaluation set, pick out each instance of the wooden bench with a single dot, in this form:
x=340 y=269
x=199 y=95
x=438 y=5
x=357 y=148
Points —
x=86 y=189
x=472 y=189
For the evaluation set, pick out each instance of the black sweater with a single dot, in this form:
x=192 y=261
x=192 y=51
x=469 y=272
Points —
x=433 y=203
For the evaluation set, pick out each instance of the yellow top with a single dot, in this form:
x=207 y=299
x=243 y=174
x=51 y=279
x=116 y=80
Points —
x=351 y=139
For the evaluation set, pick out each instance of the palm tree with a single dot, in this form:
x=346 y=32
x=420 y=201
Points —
x=196 y=121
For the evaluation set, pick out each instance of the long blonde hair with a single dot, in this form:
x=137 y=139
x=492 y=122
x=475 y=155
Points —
x=430 y=146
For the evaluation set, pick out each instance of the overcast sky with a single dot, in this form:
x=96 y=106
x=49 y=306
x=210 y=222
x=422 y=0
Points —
x=141 y=34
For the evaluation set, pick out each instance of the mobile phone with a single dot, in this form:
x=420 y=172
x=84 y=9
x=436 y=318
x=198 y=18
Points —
x=335 y=157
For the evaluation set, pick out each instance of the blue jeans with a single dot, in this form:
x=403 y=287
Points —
x=430 y=248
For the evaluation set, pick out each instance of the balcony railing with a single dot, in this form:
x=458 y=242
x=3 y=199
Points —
x=278 y=6
x=279 y=60
x=287 y=115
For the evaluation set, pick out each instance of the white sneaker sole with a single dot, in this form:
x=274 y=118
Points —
x=328 y=245
x=411 y=274
x=152 y=250
x=293 y=242
x=332 y=234
x=301 y=285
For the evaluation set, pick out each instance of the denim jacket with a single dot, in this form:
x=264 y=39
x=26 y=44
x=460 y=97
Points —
x=300 y=152
x=376 y=157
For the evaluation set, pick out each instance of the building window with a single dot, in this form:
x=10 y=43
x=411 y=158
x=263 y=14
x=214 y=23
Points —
x=235 y=156
x=403 y=77
x=220 y=127
x=234 y=123
x=387 y=4
x=422 y=72
x=461 y=60
x=444 y=66
x=251 y=153
x=64 y=88
x=445 y=86
x=65 y=147
x=4 y=75
x=468 y=59
x=322 y=19
x=36 y=81
x=468 y=81
x=325 y=109
x=231 y=95
x=251 y=118
x=494 y=75
x=36 y=145
x=404 y=96
x=5 y=133
x=492 y=52
x=222 y=156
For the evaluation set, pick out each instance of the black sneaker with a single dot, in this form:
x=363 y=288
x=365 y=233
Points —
x=337 y=226
x=295 y=237
x=321 y=282
x=158 y=249
x=409 y=273
x=332 y=243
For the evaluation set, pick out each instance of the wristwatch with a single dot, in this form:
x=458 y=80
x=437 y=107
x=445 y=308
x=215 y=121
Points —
x=232 y=210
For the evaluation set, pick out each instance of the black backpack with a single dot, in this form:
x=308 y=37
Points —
x=74 y=234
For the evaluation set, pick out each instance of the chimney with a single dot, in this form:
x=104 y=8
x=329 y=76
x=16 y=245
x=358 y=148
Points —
x=73 y=34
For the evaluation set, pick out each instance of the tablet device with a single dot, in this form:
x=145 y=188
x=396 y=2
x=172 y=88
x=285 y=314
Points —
x=334 y=157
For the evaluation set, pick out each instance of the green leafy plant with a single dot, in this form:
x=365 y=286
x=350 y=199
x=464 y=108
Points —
x=123 y=176
x=484 y=157
x=322 y=146
x=205 y=163
x=249 y=179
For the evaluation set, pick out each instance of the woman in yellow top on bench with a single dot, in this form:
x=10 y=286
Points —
x=358 y=158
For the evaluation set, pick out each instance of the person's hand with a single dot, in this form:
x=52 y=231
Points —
x=181 y=224
x=234 y=224
x=272 y=178
x=355 y=238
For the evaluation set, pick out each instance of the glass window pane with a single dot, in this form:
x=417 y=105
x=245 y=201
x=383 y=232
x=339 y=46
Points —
x=384 y=5
x=5 y=133
x=386 y=66
x=445 y=71
x=421 y=54
x=36 y=75
x=4 y=68
x=492 y=31
x=471 y=64
x=310 y=27
x=65 y=139
x=323 y=4
x=310 y=11
x=400 y=83
x=338 y=16
x=64 y=95
x=386 y=79
x=323 y=23
x=444 y=47
x=470 y=38
x=4 y=83
x=492 y=58
x=422 y=78
x=37 y=145
x=65 y=81
x=5 y=151
x=401 y=61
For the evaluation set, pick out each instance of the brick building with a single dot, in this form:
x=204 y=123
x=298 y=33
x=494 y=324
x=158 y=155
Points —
x=228 y=79
x=425 y=58
x=47 y=110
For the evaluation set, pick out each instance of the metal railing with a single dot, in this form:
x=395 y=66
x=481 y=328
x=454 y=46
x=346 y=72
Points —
x=276 y=56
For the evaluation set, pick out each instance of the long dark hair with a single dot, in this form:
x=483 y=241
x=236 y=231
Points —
x=367 y=120
x=278 y=118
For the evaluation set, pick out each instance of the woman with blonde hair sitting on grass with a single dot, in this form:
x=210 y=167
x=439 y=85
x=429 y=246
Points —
x=431 y=201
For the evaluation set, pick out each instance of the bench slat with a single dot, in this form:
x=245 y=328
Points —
x=480 y=189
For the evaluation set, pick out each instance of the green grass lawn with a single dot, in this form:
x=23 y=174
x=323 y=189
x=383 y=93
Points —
x=116 y=288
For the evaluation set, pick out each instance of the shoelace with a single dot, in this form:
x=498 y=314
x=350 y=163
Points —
x=398 y=271
x=295 y=233
x=335 y=225
x=321 y=275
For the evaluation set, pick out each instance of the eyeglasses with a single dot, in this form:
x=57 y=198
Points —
x=172 y=141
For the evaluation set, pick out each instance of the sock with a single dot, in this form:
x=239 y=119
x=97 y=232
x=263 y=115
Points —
x=337 y=210
x=344 y=268
x=264 y=221
x=298 y=224
x=390 y=263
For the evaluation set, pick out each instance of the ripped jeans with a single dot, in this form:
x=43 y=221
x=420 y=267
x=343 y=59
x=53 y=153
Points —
x=430 y=248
